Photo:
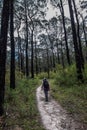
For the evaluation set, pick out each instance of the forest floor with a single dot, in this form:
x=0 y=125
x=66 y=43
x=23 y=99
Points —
x=53 y=116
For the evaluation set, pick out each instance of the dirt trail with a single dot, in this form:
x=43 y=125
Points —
x=53 y=116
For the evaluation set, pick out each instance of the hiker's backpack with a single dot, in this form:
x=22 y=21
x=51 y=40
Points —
x=46 y=85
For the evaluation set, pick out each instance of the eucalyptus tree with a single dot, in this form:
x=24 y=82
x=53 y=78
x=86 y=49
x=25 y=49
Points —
x=30 y=12
x=56 y=35
x=44 y=42
x=34 y=14
x=12 y=64
x=40 y=58
x=58 y=51
x=78 y=34
x=20 y=29
x=61 y=45
x=59 y=5
x=56 y=31
x=63 y=20
x=75 y=42
x=32 y=47
x=37 y=31
x=48 y=28
x=52 y=37
x=24 y=6
x=70 y=41
x=36 y=58
x=19 y=49
x=3 y=46
x=26 y=36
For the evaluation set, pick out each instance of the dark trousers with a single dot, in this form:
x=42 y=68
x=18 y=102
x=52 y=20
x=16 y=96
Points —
x=46 y=95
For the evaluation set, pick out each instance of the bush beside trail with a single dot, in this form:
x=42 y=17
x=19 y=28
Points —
x=71 y=94
x=21 y=106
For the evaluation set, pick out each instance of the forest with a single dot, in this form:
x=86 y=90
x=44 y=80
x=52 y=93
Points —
x=33 y=46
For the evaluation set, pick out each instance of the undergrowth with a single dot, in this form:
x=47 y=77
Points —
x=21 y=106
x=70 y=93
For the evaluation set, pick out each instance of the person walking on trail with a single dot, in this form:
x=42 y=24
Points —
x=46 y=88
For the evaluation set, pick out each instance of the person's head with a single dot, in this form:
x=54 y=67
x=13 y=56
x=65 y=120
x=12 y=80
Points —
x=44 y=79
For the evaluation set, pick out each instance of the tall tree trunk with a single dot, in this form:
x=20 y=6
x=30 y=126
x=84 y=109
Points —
x=22 y=63
x=51 y=65
x=27 y=64
x=32 y=56
x=62 y=56
x=21 y=57
x=36 y=59
x=18 y=51
x=53 y=59
x=58 y=58
x=48 y=62
x=3 y=45
x=76 y=48
x=78 y=34
x=12 y=65
x=67 y=48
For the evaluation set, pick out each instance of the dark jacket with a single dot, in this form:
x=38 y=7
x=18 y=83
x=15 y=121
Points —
x=45 y=85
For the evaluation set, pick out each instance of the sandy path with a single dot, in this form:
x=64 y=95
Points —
x=53 y=116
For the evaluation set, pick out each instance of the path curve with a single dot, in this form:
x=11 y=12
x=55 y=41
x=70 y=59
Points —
x=53 y=116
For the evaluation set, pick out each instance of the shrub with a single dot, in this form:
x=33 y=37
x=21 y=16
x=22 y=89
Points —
x=42 y=75
x=52 y=74
x=65 y=76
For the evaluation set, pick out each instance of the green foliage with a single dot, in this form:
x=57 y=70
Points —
x=71 y=94
x=18 y=76
x=85 y=73
x=52 y=75
x=45 y=75
x=21 y=105
x=42 y=75
x=65 y=76
x=7 y=78
x=74 y=99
